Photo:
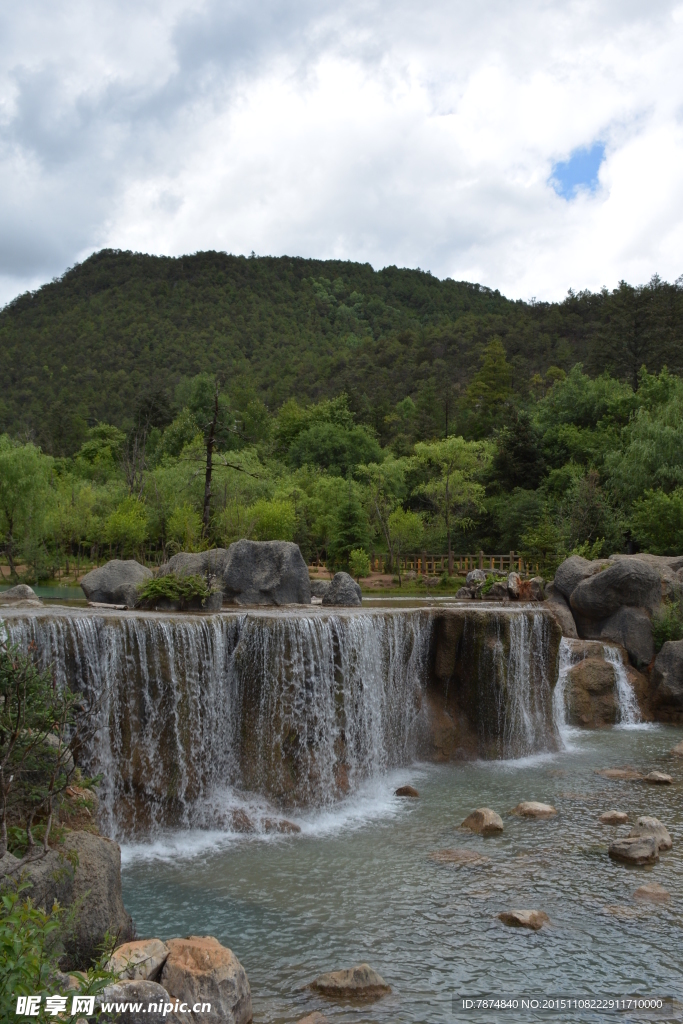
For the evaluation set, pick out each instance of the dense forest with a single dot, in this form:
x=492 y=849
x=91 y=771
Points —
x=341 y=407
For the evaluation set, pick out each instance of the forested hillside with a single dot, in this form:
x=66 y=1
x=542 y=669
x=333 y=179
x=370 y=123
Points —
x=150 y=405
x=95 y=344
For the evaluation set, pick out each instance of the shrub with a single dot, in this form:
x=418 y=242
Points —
x=176 y=588
x=359 y=563
x=667 y=624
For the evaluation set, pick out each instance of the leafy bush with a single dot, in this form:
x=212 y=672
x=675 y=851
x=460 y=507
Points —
x=359 y=563
x=667 y=624
x=174 y=587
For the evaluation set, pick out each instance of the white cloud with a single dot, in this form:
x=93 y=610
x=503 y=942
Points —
x=420 y=135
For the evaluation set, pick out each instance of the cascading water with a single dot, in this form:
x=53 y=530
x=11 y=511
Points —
x=297 y=707
x=629 y=712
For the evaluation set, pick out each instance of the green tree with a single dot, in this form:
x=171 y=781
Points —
x=359 y=563
x=272 y=520
x=350 y=528
x=184 y=527
x=385 y=488
x=405 y=529
x=24 y=475
x=126 y=527
x=656 y=522
x=455 y=490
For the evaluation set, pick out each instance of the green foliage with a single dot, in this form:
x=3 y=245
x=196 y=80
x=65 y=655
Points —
x=174 y=587
x=657 y=522
x=184 y=528
x=667 y=624
x=126 y=526
x=272 y=520
x=359 y=563
x=405 y=529
x=351 y=529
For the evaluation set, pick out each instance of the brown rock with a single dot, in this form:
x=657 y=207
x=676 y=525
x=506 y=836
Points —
x=624 y=774
x=533 y=809
x=648 y=826
x=533 y=919
x=241 y=822
x=483 y=821
x=406 y=791
x=652 y=892
x=281 y=825
x=459 y=858
x=614 y=818
x=678 y=749
x=314 y=1018
x=139 y=961
x=590 y=693
x=658 y=779
x=356 y=983
x=637 y=851
x=200 y=970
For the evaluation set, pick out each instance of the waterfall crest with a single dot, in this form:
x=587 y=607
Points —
x=298 y=707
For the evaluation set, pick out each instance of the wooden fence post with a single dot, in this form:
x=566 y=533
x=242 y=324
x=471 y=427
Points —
x=481 y=559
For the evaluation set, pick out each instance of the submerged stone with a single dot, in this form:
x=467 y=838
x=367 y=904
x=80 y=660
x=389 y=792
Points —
x=653 y=892
x=621 y=774
x=459 y=858
x=533 y=919
x=658 y=779
x=534 y=809
x=678 y=749
x=483 y=821
x=360 y=982
x=614 y=818
x=406 y=791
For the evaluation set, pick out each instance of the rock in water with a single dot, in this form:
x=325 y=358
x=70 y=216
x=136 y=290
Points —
x=652 y=892
x=343 y=592
x=406 y=791
x=533 y=809
x=677 y=751
x=533 y=919
x=459 y=858
x=614 y=818
x=138 y=993
x=200 y=970
x=658 y=779
x=139 y=961
x=20 y=595
x=314 y=1018
x=648 y=826
x=116 y=582
x=357 y=983
x=483 y=821
x=637 y=851
x=265 y=572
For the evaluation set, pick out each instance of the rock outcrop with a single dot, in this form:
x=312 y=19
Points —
x=622 y=583
x=573 y=571
x=94 y=882
x=343 y=592
x=667 y=682
x=139 y=961
x=200 y=970
x=484 y=822
x=116 y=582
x=360 y=982
x=21 y=596
x=558 y=604
x=250 y=572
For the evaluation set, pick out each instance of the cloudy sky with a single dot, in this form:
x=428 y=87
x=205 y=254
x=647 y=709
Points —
x=530 y=145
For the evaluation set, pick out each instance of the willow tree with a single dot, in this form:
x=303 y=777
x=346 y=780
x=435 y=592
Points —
x=454 y=489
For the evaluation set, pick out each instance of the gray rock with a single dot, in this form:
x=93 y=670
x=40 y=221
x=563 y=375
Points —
x=464 y=594
x=556 y=602
x=648 y=826
x=572 y=571
x=498 y=592
x=658 y=779
x=141 y=960
x=613 y=818
x=638 y=851
x=633 y=583
x=475 y=576
x=95 y=880
x=631 y=628
x=343 y=592
x=21 y=595
x=667 y=682
x=200 y=970
x=116 y=582
x=536 y=591
x=265 y=572
x=319 y=587
x=196 y=563
x=361 y=982
x=138 y=991
x=513 y=584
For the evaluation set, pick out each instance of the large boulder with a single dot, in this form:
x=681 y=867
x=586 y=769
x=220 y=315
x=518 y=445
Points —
x=343 y=591
x=85 y=869
x=572 y=571
x=116 y=582
x=265 y=572
x=557 y=603
x=631 y=628
x=200 y=970
x=590 y=697
x=209 y=564
x=634 y=583
x=137 y=996
x=21 y=595
x=667 y=682
x=141 y=960
x=319 y=588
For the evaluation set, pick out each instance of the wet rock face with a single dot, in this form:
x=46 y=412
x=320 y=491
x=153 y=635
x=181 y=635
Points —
x=559 y=606
x=343 y=592
x=360 y=982
x=631 y=628
x=116 y=582
x=200 y=970
x=667 y=682
x=590 y=694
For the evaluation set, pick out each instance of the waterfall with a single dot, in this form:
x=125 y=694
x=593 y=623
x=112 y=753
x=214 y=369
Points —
x=629 y=712
x=295 y=707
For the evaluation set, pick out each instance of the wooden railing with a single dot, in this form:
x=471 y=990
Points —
x=435 y=565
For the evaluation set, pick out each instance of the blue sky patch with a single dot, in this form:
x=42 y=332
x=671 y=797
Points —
x=580 y=171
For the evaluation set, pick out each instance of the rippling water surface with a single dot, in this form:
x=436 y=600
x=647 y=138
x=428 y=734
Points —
x=358 y=885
